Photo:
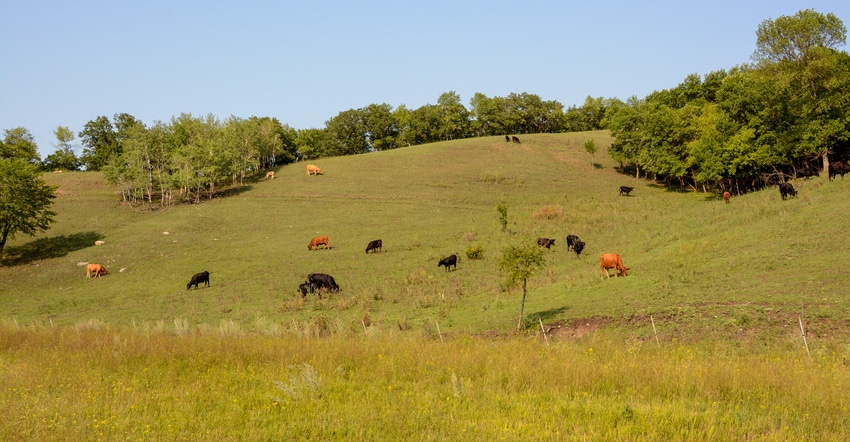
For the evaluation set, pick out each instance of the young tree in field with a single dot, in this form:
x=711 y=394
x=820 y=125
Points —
x=519 y=263
x=503 y=215
x=590 y=147
x=64 y=158
x=24 y=200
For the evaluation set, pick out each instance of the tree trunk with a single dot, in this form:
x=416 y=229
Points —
x=826 y=163
x=522 y=306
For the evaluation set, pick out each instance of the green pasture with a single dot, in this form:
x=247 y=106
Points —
x=699 y=267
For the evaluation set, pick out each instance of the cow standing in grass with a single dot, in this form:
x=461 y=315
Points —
x=448 y=262
x=838 y=168
x=322 y=281
x=374 y=246
x=726 y=197
x=786 y=190
x=545 y=242
x=611 y=261
x=199 y=278
x=95 y=269
x=319 y=241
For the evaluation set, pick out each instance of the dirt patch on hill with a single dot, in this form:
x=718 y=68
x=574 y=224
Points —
x=576 y=328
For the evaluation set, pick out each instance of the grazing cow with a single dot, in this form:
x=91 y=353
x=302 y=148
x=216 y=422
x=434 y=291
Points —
x=304 y=288
x=515 y=139
x=507 y=138
x=270 y=175
x=578 y=247
x=448 y=262
x=313 y=170
x=626 y=190
x=319 y=241
x=571 y=241
x=806 y=172
x=726 y=197
x=786 y=189
x=545 y=242
x=199 y=278
x=97 y=269
x=611 y=261
x=375 y=246
x=838 y=168
x=322 y=281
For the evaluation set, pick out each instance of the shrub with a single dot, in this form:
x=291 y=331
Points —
x=475 y=251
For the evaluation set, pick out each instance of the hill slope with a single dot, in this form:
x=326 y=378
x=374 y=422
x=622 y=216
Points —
x=698 y=266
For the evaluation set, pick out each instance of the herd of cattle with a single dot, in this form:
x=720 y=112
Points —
x=319 y=282
x=786 y=189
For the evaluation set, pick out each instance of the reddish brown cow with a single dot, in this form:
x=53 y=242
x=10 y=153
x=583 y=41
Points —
x=313 y=170
x=726 y=197
x=97 y=269
x=317 y=241
x=270 y=175
x=611 y=261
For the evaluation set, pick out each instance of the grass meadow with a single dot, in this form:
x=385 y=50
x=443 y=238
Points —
x=701 y=341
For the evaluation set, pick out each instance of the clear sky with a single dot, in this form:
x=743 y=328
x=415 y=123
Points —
x=64 y=63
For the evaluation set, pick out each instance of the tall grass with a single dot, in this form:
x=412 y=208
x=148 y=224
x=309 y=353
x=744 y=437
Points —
x=95 y=382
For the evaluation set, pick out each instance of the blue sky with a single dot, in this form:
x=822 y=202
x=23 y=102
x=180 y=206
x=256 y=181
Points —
x=65 y=63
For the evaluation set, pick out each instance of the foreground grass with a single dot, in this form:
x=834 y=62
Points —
x=95 y=382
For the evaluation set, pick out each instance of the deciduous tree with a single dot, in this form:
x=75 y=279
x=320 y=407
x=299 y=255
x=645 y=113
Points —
x=25 y=200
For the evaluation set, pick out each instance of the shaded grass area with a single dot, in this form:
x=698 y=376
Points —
x=49 y=248
x=166 y=381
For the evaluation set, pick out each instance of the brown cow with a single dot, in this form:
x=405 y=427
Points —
x=270 y=175
x=611 y=261
x=317 y=241
x=726 y=197
x=97 y=269
x=313 y=170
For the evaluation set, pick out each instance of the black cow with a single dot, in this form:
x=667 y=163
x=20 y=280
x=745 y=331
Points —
x=322 y=281
x=578 y=247
x=545 y=242
x=838 y=168
x=571 y=241
x=515 y=139
x=198 y=278
x=786 y=189
x=374 y=246
x=304 y=288
x=448 y=262
x=806 y=172
x=507 y=138
x=626 y=190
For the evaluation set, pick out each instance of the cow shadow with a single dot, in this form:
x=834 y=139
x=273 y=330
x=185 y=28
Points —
x=47 y=248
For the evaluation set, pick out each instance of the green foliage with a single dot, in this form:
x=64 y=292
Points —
x=18 y=143
x=475 y=251
x=25 y=200
x=519 y=262
x=502 y=209
x=795 y=38
x=64 y=158
x=590 y=147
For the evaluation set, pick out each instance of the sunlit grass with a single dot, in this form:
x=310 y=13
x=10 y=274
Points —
x=98 y=382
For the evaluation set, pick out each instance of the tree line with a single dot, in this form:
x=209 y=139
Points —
x=756 y=122
x=725 y=129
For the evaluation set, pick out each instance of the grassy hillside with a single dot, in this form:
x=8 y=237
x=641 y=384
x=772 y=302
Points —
x=699 y=267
